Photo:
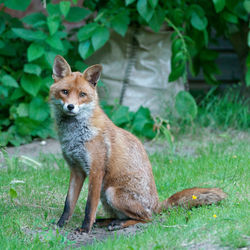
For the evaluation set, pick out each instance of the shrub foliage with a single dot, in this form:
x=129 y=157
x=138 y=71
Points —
x=28 y=47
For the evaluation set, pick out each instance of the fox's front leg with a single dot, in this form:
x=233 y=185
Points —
x=75 y=185
x=95 y=183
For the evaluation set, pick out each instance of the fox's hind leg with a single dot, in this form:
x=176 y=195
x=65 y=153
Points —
x=75 y=185
x=128 y=210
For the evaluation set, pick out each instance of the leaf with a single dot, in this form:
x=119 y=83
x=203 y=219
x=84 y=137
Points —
x=185 y=105
x=4 y=91
x=198 y=21
x=174 y=35
x=77 y=14
x=13 y=193
x=210 y=78
x=53 y=9
x=143 y=112
x=53 y=23
x=38 y=109
x=121 y=115
x=31 y=84
x=50 y=56
x=55 y=42
x=138 y=124
x=29 y=35
x=219 y=5
x=177 y=59
x=44 y=129
x=142 y=116
x=81 y=66
x=177 y=72
x=35 y=19
x=34 y=52
x=22 y=109
x=157 y=19
x=148 y=130
x=25 y=126
x=9 y=81
x=120 y=23
x=100 y=37
x=2 y=25
x=17 y=4
x=64 y=7
x=208 y=55
x=32 y=69
x=17 y=94
x=47 y=82
x=246 y=5
x=85 y=49
x=86 y=31
x=145 y=10
x=247 y=76
x=230 y=17
x=176 y=45
x=143 y=123
x=128 y=2
x=153 y=3
x=177 y=16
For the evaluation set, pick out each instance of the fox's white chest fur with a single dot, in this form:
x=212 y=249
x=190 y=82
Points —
x=74 y=132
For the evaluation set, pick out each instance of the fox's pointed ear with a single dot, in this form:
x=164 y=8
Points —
x=92 y=74
x=60 y=68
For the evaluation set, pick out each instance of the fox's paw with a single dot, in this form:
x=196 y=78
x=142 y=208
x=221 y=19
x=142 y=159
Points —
x=82 y=230
x=60 y=223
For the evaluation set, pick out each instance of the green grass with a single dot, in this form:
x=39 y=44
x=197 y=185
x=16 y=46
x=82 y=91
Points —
x=216 y=110
x=228 y=110
x=216 y=160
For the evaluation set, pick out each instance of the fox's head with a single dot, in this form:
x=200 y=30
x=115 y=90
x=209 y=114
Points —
x=74 y=92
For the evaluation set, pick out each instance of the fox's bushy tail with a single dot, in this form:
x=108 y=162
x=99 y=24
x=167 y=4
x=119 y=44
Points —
x=193 y=197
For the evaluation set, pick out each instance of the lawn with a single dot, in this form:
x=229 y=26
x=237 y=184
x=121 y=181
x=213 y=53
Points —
x=32 y=198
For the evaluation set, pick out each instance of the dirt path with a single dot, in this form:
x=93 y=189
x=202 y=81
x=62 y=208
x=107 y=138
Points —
x=76 y=239
x=35 y=148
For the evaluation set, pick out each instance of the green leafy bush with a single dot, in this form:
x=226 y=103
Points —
x=27 y=50
x=140 y=122
x=28 y=47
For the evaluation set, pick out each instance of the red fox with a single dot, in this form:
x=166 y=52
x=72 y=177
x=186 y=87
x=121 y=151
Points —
x=120 y=174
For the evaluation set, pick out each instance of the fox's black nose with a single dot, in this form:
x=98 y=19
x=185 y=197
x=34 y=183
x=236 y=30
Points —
x=70 y=107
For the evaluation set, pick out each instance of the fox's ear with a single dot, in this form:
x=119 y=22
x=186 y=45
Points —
x=92 y=74
x=60 y=68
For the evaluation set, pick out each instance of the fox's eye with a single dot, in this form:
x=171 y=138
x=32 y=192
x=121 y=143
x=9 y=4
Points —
x=82 y=94
x=65 y=92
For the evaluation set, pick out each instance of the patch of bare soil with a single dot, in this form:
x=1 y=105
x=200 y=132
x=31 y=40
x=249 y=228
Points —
x=101 y=234
x=204 y=246
x=76 y=239
x=35 y=148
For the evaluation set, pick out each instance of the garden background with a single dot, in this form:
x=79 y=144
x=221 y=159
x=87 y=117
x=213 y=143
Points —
x=203 y=139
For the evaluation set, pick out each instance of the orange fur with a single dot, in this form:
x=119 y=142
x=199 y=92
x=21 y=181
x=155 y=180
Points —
x=120 y=174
